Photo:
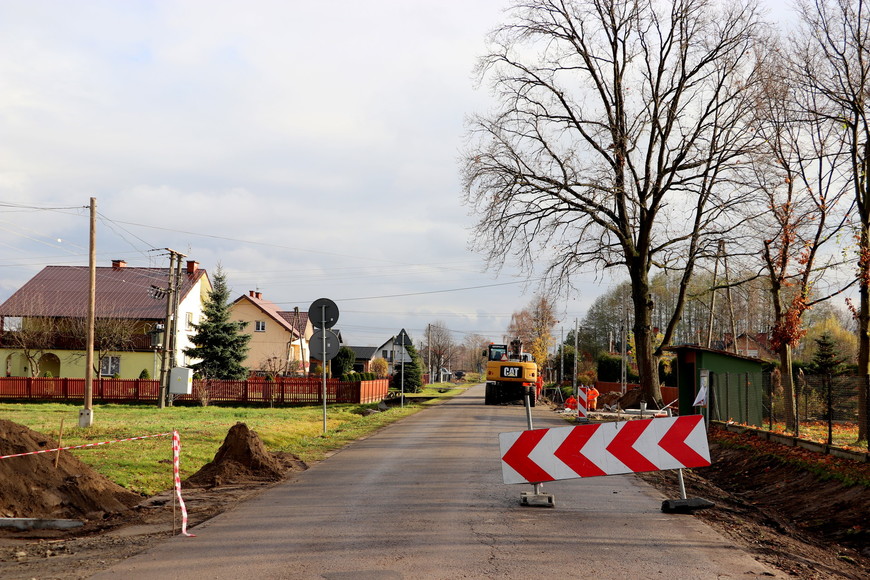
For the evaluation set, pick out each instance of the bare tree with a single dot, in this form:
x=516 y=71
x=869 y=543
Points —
x=797 y=172
x=472 y=357
x=33 y=336
x=832 y=61
x=534 y=327
x=617 y=142
x=112 y=333
x=441 y=345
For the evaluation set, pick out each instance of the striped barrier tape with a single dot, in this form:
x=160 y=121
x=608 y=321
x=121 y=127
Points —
x=176 y=453
x=82 y=446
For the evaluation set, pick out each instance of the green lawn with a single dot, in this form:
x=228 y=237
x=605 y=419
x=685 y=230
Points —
x=142 y=466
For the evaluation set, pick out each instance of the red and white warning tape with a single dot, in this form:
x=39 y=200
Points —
x=176 y=452
x=176 y=455
x=82 y=446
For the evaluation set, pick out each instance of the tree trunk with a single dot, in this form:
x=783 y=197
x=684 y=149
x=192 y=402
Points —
x=787 y=378
x=644 y=340
x=864 y=334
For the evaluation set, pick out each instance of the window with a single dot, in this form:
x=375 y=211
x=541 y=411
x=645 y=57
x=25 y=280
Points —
x=110 y=366
x=189 y=320
x=260 y=326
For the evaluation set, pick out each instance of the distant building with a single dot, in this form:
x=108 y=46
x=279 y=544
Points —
x=279 y=338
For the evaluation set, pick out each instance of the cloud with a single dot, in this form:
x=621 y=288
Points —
x=310 y=148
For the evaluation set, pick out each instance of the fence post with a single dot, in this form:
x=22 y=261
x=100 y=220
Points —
x=866 y=382
x=746 y=400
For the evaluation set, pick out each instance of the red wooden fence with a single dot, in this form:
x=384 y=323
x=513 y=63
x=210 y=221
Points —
x=279 y=391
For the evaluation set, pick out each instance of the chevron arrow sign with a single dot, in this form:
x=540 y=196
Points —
x=604 y=449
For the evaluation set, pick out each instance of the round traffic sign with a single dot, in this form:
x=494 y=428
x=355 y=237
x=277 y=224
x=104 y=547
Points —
x=324 y=350
x=323 y=313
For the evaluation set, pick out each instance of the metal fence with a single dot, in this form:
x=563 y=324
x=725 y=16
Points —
x=281 y=390
x=827 y=407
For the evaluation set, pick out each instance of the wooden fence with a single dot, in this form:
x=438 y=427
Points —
x=279 y=391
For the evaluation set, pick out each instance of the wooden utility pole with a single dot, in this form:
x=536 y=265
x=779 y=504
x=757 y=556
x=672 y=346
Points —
x=170 y=325
x=86 y=415
x=719 y=251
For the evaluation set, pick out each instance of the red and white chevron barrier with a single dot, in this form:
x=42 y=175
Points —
x=604 y=449
x=581 y=403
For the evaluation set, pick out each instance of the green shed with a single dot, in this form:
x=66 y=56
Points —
x=734 y=383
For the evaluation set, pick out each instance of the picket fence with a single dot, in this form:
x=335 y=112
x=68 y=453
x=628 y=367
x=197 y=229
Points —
x=280 y=391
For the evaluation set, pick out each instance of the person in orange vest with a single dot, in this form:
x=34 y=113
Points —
x=571 y=403
x=591 y=397
x=540 y=384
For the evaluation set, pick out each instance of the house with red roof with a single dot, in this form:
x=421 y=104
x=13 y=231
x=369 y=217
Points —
x=43 y=324
x=279 y=338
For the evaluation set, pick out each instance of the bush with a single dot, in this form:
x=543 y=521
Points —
x=610 y=369
x=144 y=374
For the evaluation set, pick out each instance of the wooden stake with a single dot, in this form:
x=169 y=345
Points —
x=59 y=443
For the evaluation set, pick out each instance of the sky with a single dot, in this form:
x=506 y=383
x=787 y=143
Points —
x=311 y=149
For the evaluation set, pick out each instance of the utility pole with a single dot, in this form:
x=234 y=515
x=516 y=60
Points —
x=170 y=324
x=623 y=372
x=719 y=251
x=86 y=415
x=576 y=352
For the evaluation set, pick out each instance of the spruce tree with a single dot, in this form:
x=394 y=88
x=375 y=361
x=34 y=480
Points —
x=219 y=343
x=413 y=371
x=825 y=360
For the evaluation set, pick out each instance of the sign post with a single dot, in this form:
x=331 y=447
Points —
x=323 y=314
x=400 y=340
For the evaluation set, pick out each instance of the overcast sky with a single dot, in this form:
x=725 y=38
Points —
x=311 y=148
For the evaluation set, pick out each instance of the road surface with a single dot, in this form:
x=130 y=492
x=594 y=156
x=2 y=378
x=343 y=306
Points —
x=424 y=498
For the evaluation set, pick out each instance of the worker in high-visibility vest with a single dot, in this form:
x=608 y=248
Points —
x=571 y=403
x=591 y=397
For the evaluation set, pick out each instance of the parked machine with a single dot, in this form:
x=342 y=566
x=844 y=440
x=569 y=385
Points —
x=509 y=371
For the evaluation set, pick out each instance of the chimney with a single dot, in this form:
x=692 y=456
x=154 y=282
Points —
x=251 y=293
x=118 y=264
x=259 y=295
x=192 y=266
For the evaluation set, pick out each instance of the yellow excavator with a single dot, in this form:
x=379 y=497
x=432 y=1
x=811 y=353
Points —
x=509 y=373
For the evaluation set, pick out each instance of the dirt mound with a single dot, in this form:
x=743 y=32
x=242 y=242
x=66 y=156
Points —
x=242 y=456
x=31 y=486
x=782 y=512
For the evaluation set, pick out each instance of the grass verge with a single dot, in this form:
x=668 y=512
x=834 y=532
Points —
x=144 y=466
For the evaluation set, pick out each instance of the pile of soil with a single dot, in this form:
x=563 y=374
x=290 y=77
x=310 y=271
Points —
x=241 y=469
x=32 y=487
x=243 y=458
x=784 y=514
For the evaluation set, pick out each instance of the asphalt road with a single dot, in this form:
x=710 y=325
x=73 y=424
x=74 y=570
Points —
x=424 y=498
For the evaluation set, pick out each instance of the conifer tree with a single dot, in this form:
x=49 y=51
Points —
x=413 y=371
x=219 y=343
x=825 y=360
